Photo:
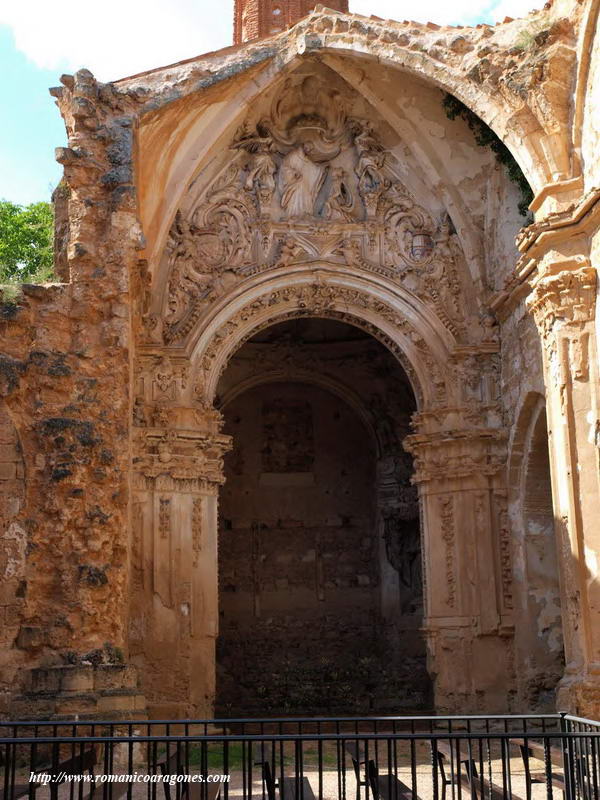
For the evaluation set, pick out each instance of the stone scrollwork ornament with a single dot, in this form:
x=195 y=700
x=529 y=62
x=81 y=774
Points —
x=306 y=183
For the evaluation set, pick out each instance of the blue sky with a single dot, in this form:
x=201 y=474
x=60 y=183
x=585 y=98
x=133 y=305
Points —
x=30 y=127
x=40 y=39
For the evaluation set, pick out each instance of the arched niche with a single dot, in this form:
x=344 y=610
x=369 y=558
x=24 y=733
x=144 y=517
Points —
x=319 y=534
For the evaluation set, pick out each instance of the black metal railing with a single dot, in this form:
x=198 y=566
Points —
x=359 y=758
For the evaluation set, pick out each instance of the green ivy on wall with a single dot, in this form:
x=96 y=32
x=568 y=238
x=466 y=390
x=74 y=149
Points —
x=485 y=137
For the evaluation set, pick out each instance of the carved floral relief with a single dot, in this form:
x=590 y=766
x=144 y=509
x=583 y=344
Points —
x=308 y=182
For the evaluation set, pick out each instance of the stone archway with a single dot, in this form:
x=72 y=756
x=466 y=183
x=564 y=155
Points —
x=458 y=447
x=320 y=591
x=313 y=210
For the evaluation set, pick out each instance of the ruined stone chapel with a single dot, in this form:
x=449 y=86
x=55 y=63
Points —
x=310 y=420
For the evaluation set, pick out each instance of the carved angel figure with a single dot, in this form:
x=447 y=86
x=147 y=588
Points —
x=340 y=202
x=371 y=160
x=262 y=170
x=290 y=250
x=301 y=181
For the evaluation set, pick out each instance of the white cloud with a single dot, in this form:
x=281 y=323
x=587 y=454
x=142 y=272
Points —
x=116 y=38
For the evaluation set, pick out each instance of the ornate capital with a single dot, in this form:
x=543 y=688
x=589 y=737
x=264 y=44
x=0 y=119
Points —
x=457 y=454
x=181 y=460
x=564 y=298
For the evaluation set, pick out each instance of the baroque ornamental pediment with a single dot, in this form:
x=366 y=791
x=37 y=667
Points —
x=308 y=183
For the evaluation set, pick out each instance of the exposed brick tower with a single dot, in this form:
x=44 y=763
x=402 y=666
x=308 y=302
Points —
x=254 y=19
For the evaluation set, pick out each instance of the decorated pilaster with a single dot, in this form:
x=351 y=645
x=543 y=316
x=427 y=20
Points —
x=178 y=468
x=563 y=302
x=467 y=568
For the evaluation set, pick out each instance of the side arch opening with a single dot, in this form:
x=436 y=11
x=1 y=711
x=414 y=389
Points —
x=538 y=634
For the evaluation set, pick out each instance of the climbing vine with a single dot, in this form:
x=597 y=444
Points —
x=485 y=137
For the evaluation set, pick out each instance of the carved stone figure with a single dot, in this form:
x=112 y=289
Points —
x=340 y=202
x=310 y=164
x=371 y=161
x=262 y=170
x=403 y=548
x=290 y=250
x=384 y=425
x=301 y=180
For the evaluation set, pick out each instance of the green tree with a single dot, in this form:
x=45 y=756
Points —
x=26 y=242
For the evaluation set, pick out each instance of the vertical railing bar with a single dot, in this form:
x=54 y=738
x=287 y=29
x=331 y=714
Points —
x=594 y=743
x=366 y=761
x=338 y=761
x=453 y=782
x=489 y=754
x=262 y=756
x=389 y=771
x=434 y=764
x=506 y=758
x=226 y=768
x=320 y=760
x=585 y=762
x=547 y=767
x=567 y=759
x=579 y=766
x=470 y=765
x=342 y=763
x=106 y=790
x=281 y=764
x=298 y=754
x=188 y=749
x=148 y=761
x=481 y=772
x=242 y=755
x=130 y=760
x=373 y=778
x=9 y=758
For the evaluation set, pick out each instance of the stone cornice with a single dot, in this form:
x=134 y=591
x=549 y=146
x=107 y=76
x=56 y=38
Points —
x=580 y=214
x=534 y=243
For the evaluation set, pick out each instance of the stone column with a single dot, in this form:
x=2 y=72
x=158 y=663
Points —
x=468 y=600
x=563 y=302
x=174 y=612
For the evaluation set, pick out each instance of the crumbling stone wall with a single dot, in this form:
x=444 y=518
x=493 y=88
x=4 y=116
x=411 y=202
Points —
x=65 y=377
x=13 y=548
